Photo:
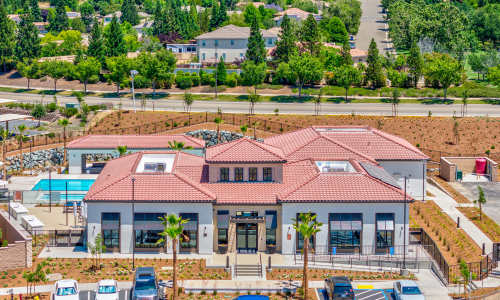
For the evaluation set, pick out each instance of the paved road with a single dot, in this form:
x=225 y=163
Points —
x=284 y=108
x=372 y=26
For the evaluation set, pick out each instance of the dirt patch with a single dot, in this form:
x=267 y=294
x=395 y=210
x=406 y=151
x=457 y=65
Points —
x=321 y=274
x=487 y=225
x=454 y=193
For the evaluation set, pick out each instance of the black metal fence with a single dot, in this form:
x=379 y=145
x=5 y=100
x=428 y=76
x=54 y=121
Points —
x=59 y=238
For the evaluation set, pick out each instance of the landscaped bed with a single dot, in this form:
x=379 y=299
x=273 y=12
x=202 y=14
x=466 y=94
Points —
x=321 y=274
x=487 y=225
x=453 y=243
x=487 y=291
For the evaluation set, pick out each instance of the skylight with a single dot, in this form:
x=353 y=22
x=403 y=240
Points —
x=156 y=163
x=335 y=166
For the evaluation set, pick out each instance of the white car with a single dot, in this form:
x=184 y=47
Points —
x=407 y=290
x=107 y=290
x=66 y=289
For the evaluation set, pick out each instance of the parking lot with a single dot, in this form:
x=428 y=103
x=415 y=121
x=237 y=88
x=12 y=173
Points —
x=371 y=294
x=124 y=294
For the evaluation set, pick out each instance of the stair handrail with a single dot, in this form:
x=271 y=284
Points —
x=260 y=264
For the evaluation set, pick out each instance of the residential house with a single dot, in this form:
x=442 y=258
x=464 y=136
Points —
x=295 y=14
x=228 y=42
x=243 y=196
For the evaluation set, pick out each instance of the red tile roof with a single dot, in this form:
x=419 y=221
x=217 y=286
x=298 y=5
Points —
x=244 y=150
x=365 y=140
x=133 y=141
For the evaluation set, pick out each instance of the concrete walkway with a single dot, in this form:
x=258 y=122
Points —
x=449 y=206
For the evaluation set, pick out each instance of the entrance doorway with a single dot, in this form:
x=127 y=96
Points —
x=246 y=237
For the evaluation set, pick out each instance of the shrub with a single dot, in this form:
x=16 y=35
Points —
x=231 y=80
x=183 y=81
x=51 y=107
x=195 y=79
x=206 y=78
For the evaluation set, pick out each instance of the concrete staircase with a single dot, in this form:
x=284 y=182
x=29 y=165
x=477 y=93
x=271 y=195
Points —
x=248 y=271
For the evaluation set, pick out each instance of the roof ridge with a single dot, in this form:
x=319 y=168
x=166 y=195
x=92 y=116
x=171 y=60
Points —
x=194 y=184
x=235 y=142
x=384 y=135
x=90 y=195
x=261 y=145
x=348 y=148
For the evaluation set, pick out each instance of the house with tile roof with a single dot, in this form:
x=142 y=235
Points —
x=229 y=43
x=243 y=196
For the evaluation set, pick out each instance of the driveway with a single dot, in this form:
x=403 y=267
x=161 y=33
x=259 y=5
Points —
x=372 y=26
x=491 y=191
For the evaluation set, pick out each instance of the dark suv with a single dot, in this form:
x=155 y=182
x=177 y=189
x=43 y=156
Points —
x=339 y=288
x=145 y=286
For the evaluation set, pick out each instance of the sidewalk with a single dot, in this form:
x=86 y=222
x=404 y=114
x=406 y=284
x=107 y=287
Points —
x=449 y=206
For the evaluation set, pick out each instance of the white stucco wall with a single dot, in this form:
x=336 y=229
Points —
x=214 y=171
x=75 y=156
x=322 y=210
x=413 y=170
x=204 y=211
x=229 y=49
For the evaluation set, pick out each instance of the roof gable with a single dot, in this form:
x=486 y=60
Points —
x=95 y=141
x=243 y=150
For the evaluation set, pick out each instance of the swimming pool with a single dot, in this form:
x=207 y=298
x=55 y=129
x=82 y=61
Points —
x=60 y=184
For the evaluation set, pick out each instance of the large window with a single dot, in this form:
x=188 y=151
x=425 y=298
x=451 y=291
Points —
x=267 y=174
x=110 y=226
x=238 y=174
x=385 y=230
x=345 y=231
x=271 y=225
x=252 y=174
x=189 y=240
x=300 y=239
x=147 y=230
x=222 y=227
x=224 y=174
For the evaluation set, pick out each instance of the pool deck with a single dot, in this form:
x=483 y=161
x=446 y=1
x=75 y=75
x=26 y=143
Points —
x=26 y=183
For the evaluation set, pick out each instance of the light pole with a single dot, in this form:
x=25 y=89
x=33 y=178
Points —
x=50 y=189
x=403 y=270
x=133 y=223
x=216 y=68
x=133 y=73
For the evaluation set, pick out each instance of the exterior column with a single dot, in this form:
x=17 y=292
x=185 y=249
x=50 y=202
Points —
x=231 y=236
x=261 y=236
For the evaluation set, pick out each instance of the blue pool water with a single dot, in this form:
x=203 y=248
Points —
x=60 y=185
x=71 y=197
x=253 y=297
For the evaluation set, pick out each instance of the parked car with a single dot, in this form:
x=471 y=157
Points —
x=107 y=290
x=339 y=288
x=145 y=286
x=66 y=289
x=407 y=290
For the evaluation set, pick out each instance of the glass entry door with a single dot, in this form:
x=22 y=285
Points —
x=246 y=237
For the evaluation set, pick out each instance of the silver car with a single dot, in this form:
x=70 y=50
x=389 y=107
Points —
x=407 y=290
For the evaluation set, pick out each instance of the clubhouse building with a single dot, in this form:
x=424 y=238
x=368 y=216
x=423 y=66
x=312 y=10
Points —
x=243 y=196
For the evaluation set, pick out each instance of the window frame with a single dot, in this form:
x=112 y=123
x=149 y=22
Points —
x=352 y=247
x=250 y=177
x=197 y=235
x=384 y=232
x=267 y=178
x=237 y=175
x=112 y=248
x=221 y=169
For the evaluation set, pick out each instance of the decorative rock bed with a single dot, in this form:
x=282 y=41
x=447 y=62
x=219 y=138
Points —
x=36 y=159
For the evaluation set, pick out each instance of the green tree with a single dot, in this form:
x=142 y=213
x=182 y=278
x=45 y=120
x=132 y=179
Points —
x=347 y=76
x=38 y=112
x=253 y=98
x=21 y=128
x=64 y=123
x=87 y=13
x=97 y=248
x=218 y=121
x=122 y=150
x=307 y=225
x=494 y=75
x=222 y=16
x=60 y=20
x=256 y=50
x=118 y=67
x=307 y=69
x=334 y=30
x=349 y=12
x=486 y=22
x=466 y=274
x=7 y=37
x=374 y=72
x=309 y=35
x=54 y=69
x=172 y=229
x=27 y=41
x=415 y=63
x=221 y=72
x=250 y=13
x=96 y=43
x=395 y=101
x=35 y=11
x=214 y=16
x=86 y=69
x=29 y=70
x=345 y=52
x=476 y=64
x=481 y=200
x=286 y=46
x=244 y=129
x=444 y=70
x=253 y=74
x=188 y=102
x=129 y=12
x=114 y=44
x=156 y=67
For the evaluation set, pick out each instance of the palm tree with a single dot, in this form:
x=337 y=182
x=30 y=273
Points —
x=64 y=122
x=244 y=129
x=218 y=121
x=21 y=129
x=121 y=150
x=172 y=229
x=307 y=226
x=178 y=146
x=4 y=134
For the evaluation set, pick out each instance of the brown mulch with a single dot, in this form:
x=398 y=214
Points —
x=321 y=274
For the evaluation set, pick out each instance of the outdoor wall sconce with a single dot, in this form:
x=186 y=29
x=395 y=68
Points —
x=205 y=231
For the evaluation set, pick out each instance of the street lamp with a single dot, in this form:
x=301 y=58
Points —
x=133 y=73
x=133 y=223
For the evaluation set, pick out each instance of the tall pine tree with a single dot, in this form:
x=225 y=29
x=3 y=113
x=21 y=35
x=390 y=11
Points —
x=214 y=17
x=113 y=39
x=309 y=35
x=7 y=40
x=345 y=52
x=415 y=64
x=35 y=11
x=129 y=12
x=286 y=45
x=59 y=21
x=96 y=43
x=222 y=13
x=27 y=41
x=158 y=19
x=374 y=73
x=256 y=49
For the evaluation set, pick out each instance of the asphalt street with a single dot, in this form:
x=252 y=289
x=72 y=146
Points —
x=269 y=107
x=372 y=25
